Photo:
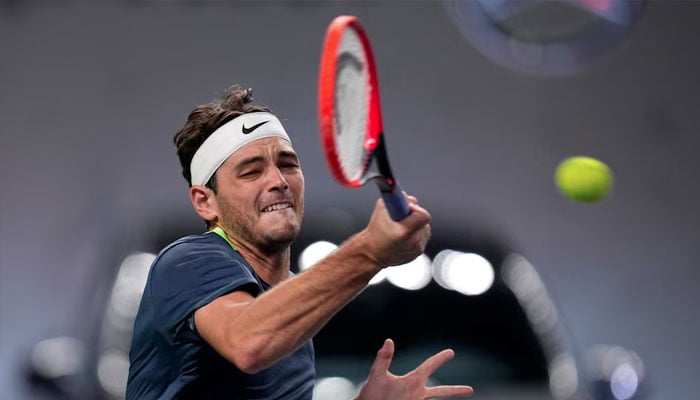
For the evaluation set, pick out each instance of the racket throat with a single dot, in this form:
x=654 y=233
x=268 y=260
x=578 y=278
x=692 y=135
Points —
x=385 y=185
x=385 y=180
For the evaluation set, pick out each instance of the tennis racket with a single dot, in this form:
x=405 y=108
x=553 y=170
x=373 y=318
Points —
x=350 y=115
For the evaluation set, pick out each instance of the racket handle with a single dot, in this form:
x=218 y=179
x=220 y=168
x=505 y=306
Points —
x=396 y=203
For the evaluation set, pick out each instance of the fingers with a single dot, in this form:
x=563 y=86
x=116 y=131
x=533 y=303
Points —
x=415 y=207
x=392 y=242
x=421 y=217
x=383 y=359
x=411 y=199
x=442 y=392
x=381 y=384
x=429 y=366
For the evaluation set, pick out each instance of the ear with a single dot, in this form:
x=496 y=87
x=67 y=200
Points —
x=204 y=202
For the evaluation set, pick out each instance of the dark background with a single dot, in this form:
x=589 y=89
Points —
x=91 y=94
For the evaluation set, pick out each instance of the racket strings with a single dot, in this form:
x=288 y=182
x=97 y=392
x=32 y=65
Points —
x=352 y=106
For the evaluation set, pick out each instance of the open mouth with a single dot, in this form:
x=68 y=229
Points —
x=276 y=207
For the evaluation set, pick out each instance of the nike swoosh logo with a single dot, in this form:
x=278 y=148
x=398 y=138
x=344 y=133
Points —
x=254 y=127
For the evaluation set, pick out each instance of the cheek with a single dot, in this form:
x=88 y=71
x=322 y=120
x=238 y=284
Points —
x=232 y=204
x=301 y=184
x=297 y=186
x=300 y=196
x=237 y=193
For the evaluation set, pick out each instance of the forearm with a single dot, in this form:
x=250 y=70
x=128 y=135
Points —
x=284 y=318
x=254 y=333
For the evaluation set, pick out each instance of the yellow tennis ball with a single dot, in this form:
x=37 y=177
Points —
x=583 y=179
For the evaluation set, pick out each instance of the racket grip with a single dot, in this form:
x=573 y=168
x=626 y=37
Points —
x=396 y=203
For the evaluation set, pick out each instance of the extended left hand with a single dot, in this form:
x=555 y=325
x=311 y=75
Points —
x=383 y=385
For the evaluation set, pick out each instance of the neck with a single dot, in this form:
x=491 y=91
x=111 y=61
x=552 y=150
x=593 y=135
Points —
x=273 y=268
x=271 y=264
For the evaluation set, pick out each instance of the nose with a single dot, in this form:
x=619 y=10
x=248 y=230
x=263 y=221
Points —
x=279 y=182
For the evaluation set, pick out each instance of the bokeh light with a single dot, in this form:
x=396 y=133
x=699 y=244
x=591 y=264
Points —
x=620 y=369
x=414 y=275
x=314 y=253
x=113 y=372
x=624 y=382
x=333 y=388
x=129 y=285
x=524 y=281
x=467 y=273
x=563 y=376
x=58 y=357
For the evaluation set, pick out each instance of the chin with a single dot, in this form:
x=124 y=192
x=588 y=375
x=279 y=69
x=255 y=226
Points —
x=279 y=231
x=285 y=235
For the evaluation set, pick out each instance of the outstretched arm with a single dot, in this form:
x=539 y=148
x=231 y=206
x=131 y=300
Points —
x=383 y=385
x=254 y=333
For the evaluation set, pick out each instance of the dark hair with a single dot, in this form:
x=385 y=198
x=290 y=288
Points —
x=207 y=118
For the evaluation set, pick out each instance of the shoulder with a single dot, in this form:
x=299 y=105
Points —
x=202 y=242
x=203 y=248
x=195 y=269
x=196 y=259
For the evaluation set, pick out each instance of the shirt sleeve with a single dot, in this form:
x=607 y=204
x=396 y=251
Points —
x=190 y=275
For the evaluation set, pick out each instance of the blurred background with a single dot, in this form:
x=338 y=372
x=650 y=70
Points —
x=541 y=297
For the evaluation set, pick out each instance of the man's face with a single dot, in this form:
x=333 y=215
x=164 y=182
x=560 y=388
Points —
x=260 y=194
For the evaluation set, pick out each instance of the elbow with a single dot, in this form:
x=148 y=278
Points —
x=250 y=358
x=250 y=364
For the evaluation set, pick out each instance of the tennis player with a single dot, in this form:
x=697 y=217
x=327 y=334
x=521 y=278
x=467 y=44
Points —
x=222 y=316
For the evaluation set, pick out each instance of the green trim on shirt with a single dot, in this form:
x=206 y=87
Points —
x=221 y=233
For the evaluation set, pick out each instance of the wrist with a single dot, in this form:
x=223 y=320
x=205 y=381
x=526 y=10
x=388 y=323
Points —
x=366 y=246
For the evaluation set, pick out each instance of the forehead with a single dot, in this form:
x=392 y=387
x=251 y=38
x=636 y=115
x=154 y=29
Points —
x=266 y=147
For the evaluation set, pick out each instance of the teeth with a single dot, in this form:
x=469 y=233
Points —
x=276 y=207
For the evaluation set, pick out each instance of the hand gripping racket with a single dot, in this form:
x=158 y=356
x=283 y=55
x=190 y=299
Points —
x=350 y=114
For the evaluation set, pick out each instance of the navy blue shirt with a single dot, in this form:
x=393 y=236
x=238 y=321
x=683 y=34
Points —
x=169 y=360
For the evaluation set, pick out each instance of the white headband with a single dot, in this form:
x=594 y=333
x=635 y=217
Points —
x=230 y=137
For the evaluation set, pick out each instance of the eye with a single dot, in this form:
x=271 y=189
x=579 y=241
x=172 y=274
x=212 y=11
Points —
x=250 y=173
x=288 y=163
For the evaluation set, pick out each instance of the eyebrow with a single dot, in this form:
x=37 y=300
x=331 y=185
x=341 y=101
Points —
x=288 y=154
x=255 y=159
x=252 y=160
